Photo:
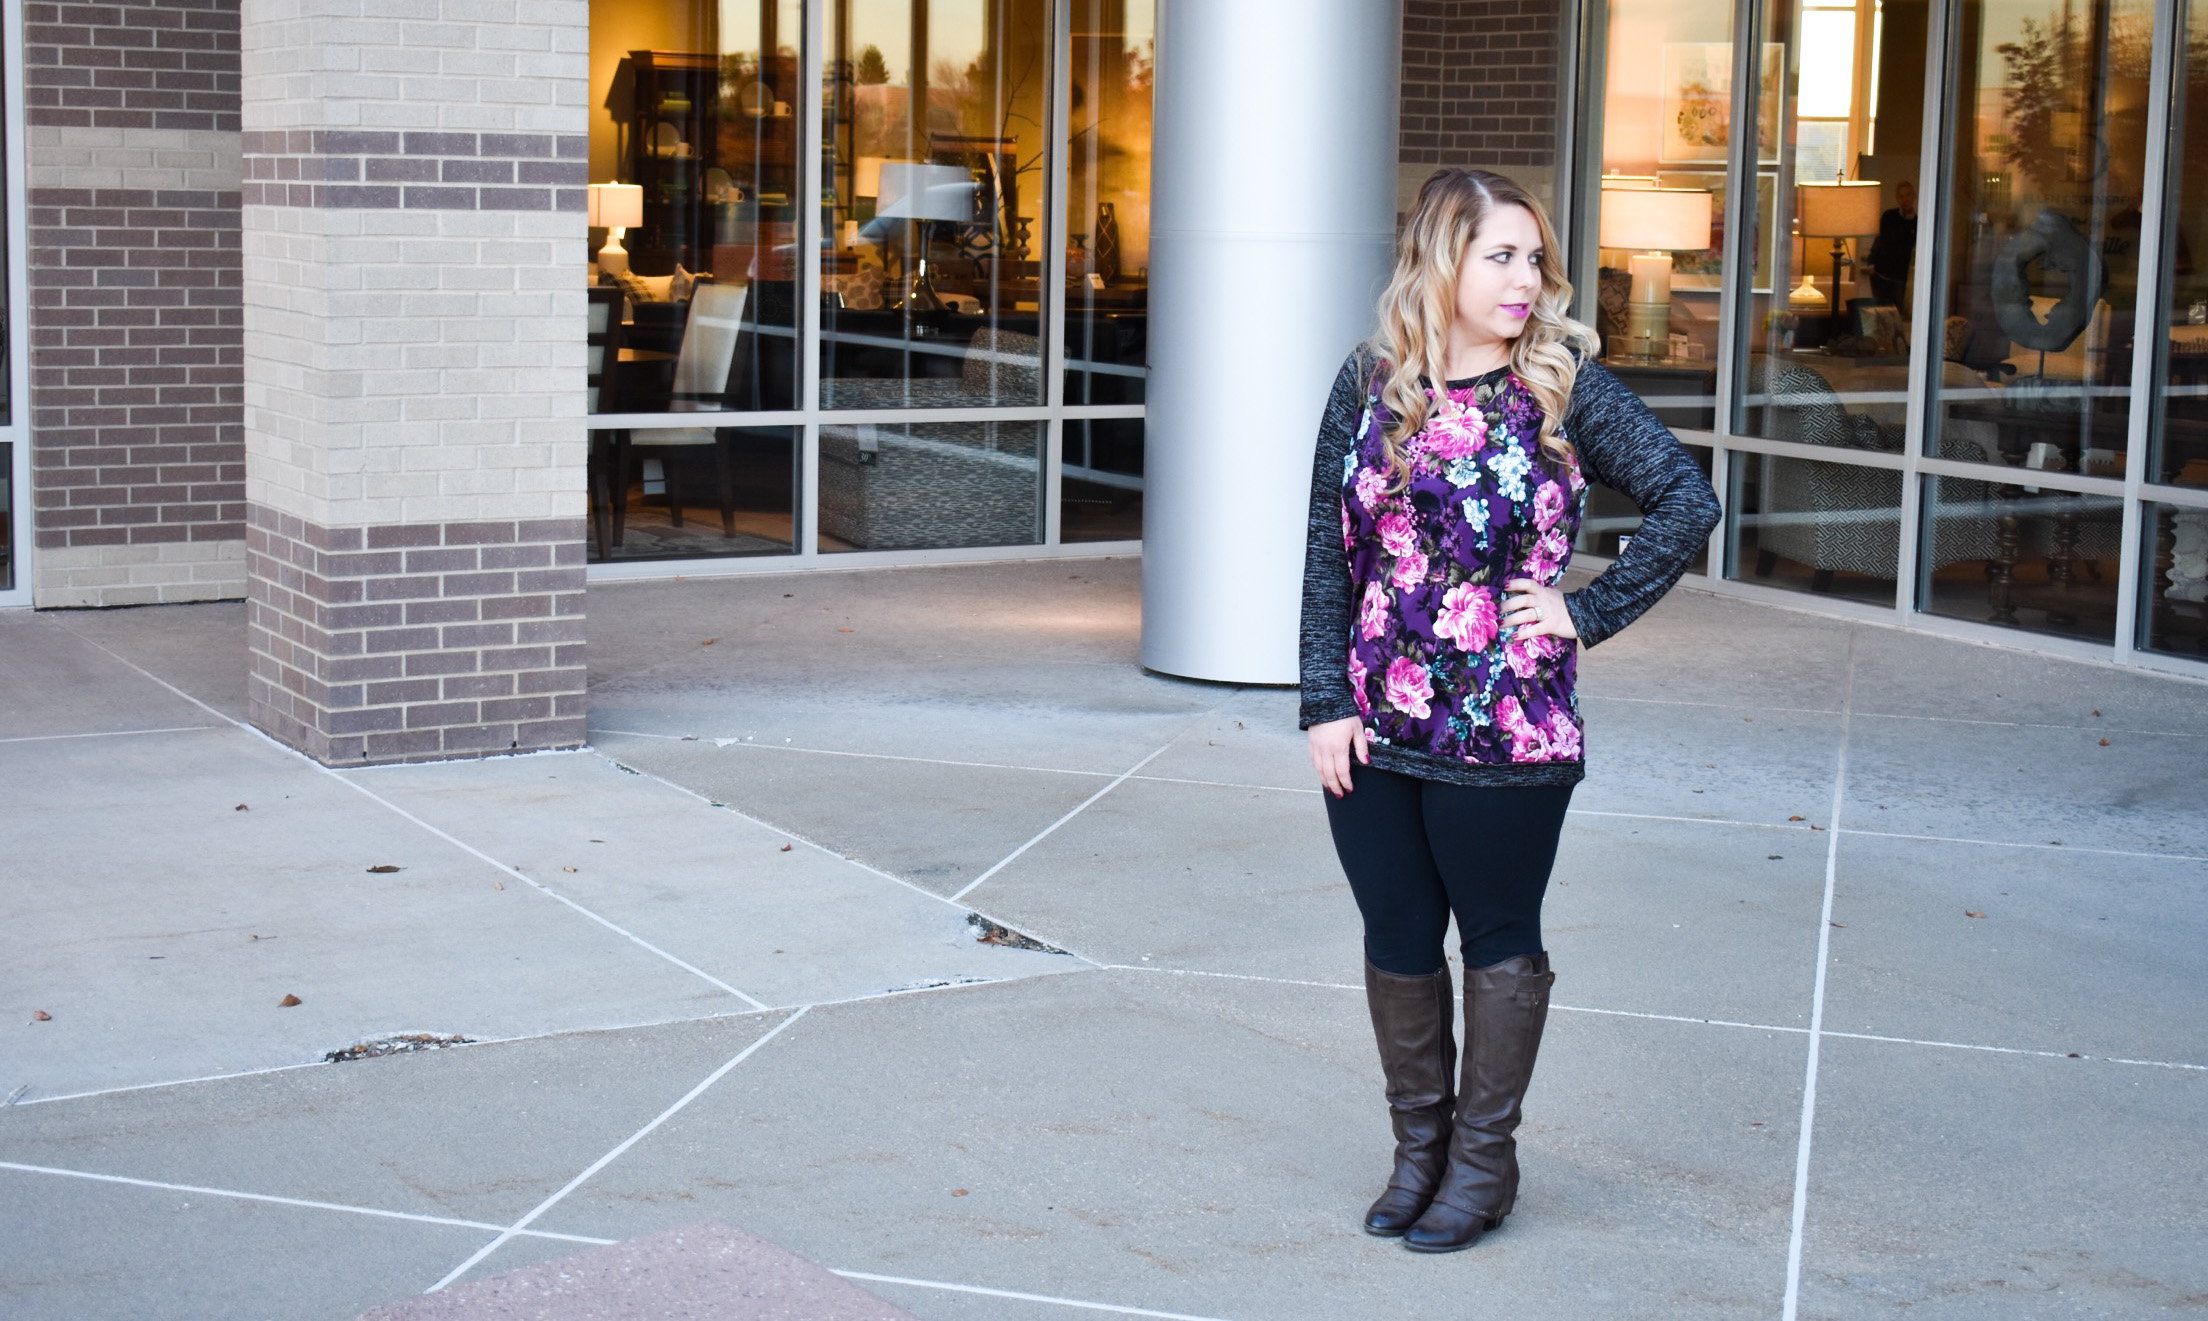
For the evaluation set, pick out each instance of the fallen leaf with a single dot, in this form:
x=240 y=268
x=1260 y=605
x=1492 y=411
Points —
x=41 y=1016
x=567 y=869
x=1842 y=925
x=1755 y=1123
x=2104 y=742
x=498 y=885
x=843 y=630
x=2073 y=1054
x=958 y=1192
x=787 y=595
x=1816 y=827
x=709 y=642
x=787 y=847
x=1797 y=818
x=241 y=808
x=289 y=1002
x=2096 y=713
x=1972 y=913
x=383 y=868
x=1773 y=857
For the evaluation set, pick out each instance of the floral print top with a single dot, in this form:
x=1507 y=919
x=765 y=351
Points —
x=1444 y=688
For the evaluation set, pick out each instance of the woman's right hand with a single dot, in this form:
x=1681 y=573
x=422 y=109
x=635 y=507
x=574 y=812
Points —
x=1332 y=744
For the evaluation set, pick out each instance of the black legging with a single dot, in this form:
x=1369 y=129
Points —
x=1417 y=850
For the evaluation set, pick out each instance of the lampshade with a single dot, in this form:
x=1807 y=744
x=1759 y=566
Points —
x=1656 y=219
x=1839 y=210
x=912 y=191
x=866 y=176
x=616 y=204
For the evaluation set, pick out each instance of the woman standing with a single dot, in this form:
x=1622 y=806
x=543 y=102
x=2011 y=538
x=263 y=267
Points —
x=1438 y=660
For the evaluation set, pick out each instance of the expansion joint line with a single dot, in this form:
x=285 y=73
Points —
x=1808 y=1122
x=465 y=847
x=1009 y=858
x=521 y=1226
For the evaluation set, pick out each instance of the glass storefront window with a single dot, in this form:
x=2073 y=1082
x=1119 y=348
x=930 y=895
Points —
x=2034 y=558
x=1660 y=205
x=2041 y=252
x=939 y=287
x=1108 y=202
x=924 y=485
x=1100 y=486
x=687 y=492
x=693 y=158
x=934 y=122
x=1829 y=528
x=2179 y=454
x=2174 y=604
x=1822 y=345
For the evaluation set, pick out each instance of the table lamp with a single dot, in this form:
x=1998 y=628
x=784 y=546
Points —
x=1839 y=210
x=924 y=193
x=615 y=206
x=1658 y=222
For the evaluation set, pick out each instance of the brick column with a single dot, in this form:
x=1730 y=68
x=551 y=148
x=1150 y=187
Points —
x=137 y=446
x=1479 y=91
x=414 y=250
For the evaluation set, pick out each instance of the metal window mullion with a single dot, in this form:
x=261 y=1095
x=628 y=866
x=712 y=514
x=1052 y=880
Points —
x=1912 y=587
x=812 y=103
x=1579 y=124
x=22 y=553
x=1732 y=339
x=1057 y=182
x=2148 y=331
x=2184 y=497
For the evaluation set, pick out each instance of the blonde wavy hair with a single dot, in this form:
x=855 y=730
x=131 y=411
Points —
x=1420 y=302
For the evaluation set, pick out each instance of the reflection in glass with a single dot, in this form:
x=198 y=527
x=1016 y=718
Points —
x=910 y=486
x=1824 y=321
x=1100 y=486
x=1666 y=128
x=2173 y=610
x=693 y=158
x=2180 y=433
x=2042 y=245
x=1612 y=519
x=933 y=116
x=2031 y=558
x=7 y=517
x=1108 y=201
x=1806 y=525
x=683 y=492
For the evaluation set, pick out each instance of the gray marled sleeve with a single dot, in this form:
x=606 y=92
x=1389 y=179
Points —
x=1623 y=446
x=1326 y=605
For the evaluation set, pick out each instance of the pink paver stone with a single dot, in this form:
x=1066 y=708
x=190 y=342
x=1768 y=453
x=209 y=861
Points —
x=706 y=1270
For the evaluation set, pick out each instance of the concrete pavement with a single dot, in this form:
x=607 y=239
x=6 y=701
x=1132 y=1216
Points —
x=728 y=967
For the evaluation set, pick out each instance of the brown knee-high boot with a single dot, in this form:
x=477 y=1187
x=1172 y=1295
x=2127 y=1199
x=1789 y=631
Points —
x=1505 y=1008
x=1413 y=1019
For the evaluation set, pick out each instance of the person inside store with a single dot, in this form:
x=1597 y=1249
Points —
x=1438 y=655
x=1895 y=249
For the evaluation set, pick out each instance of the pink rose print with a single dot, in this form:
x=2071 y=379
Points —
x=1373 y=620
x=1528 y=655
x=1410 y=571
x=1468 y=617
x=1563 y=736
x=1548 y=505
x=1396 y=534
x=1526 y=742
x=1370 y=487
x=1452 y=435
x=1409 y=690
x=1546 y=563
x=1358 y=673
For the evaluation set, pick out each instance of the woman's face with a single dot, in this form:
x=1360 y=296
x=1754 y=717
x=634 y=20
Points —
x=1500 y=277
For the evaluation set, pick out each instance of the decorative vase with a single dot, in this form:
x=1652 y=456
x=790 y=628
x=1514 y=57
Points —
x=1105 y=246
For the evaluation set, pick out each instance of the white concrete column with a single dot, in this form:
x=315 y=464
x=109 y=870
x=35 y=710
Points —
x=1272 y=218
